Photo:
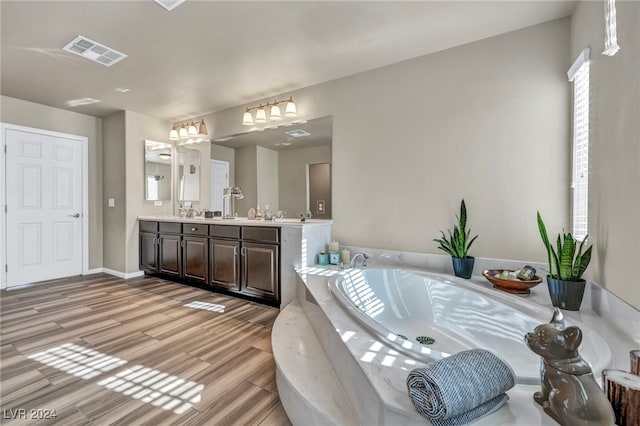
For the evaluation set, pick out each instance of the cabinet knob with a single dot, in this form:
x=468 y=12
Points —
x=194 y=229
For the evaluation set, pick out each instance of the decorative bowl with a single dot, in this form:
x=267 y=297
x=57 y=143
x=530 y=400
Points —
x=510 y=286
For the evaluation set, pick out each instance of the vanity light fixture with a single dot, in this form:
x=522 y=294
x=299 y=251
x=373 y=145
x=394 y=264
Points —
x=188 y=130
x=274 y=112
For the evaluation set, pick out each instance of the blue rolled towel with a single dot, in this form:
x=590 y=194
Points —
x=461 y=388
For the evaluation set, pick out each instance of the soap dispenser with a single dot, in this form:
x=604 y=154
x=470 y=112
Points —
x=258 y=213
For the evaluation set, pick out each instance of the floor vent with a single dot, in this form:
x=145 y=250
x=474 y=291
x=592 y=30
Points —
x=169 y=4
x=94 y=51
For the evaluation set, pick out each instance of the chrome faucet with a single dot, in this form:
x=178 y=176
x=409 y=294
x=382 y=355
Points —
x=355 y=257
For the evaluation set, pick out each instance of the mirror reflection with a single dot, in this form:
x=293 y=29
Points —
x=188 y=174
x=287 y=168
x=157 y=170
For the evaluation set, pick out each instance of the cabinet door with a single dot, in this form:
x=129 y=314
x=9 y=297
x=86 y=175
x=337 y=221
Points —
x=225 y=262
x=195 y=257
x=148 y=252
x=170 y=254
x=260 y=270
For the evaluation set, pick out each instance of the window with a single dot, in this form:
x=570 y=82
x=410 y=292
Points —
x=579 y=74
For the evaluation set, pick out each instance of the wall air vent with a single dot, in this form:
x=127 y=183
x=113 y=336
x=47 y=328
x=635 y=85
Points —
x=297 y=133
x=169 y=4
x=94 y=51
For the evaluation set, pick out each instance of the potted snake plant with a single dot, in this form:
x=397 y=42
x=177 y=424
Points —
x=566 y=285
x=458 y=244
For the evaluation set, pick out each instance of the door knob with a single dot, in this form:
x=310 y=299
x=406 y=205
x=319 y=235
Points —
x=77 y=215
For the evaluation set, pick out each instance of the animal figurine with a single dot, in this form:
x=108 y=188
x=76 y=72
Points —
x=569 y=391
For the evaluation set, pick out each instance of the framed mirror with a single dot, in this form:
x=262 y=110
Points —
x=287 y=168
x=188 y=174
x=158 y=163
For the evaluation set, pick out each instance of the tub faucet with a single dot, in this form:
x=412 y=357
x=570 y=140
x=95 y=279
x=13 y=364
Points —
x=355 y=257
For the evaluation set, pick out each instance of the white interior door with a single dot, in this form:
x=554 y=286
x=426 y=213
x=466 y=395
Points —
x=219 y=181
x=44 y=207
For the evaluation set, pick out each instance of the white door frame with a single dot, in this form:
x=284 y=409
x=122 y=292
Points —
x=85 y=193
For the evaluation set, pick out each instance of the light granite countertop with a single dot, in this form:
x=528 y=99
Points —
x=239 y=221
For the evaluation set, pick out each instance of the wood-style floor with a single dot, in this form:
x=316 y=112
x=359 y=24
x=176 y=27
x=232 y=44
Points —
x=101 y=350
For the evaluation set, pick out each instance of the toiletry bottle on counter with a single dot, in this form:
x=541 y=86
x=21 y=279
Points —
x=345 y=256
x=258 y=213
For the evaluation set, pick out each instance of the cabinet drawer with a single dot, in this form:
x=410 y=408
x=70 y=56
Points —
x=171 y=227
x=259 y=233
x=148 y=226
x=195 y=229
x=225 y=231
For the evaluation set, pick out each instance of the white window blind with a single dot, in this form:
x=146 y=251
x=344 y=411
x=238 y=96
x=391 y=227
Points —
x=579 y=74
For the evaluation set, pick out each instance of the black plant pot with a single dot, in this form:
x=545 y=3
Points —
x=566 y=294
x=463 y=267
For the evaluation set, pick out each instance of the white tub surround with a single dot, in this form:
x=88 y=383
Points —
x=397 y=306
x=373 y=374
x=300 y=242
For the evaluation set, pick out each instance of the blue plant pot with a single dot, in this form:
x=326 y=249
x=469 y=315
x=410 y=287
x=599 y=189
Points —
x=463 y=268
x=566 y=294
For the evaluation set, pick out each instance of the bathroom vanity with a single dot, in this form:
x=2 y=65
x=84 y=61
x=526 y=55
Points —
x=251 y=259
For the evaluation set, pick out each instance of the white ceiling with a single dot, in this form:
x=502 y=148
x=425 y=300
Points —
x=206 y=56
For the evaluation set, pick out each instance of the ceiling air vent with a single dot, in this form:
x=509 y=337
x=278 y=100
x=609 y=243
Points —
x=169 y=4
x=298 y=133
x=94 y=51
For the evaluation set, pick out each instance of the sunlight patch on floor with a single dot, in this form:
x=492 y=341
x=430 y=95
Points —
x=156 y=388
x=139 y=382
x=78 y=361
x=213 y=307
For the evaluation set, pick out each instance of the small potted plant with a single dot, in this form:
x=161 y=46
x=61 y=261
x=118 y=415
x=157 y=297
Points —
x=458 y=244
x=566 y=286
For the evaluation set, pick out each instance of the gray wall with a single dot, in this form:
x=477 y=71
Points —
x=224 y=153
x=292 y=176
x=487 y=122
x=114 y=186
x=246 y=179
x=23 y=113
x=320 y=190
x=267 y=176
x=614 y=146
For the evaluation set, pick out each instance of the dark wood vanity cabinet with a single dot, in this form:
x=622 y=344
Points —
x=170 y=254
x=195 y=258
x=225 y=263
x=195 y=252
x=148 y=242
x=148 y=251
x=241 y=260
x=260 y=270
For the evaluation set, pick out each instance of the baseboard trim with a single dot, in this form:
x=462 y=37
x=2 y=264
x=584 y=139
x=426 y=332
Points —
x=123 y=275
x=93 y=271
